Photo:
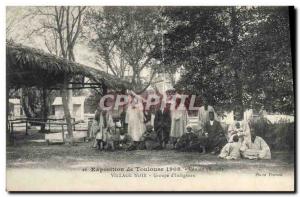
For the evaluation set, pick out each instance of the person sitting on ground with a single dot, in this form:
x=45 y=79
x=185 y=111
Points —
x=258 y=148
x=125 y=140
x=150 y=139
x=231 y=150
x=112 y=139
x=215 y=135
x=189 y=141
x=241 y=128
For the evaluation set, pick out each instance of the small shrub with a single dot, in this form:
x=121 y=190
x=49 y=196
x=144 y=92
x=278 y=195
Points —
x=279 y=136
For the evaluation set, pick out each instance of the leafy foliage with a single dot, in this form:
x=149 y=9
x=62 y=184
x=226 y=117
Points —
x=233 y=55
x=125 y=38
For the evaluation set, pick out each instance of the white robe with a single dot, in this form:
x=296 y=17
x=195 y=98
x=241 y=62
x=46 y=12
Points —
x=135 y=120
x=259 y=149
x=231 y=151
x=178 y=123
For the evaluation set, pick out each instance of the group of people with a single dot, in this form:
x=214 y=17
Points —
x=168 y=128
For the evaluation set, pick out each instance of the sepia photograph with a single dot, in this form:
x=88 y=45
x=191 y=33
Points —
x=150 y=99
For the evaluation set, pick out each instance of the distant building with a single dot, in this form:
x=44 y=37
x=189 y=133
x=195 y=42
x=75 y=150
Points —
x=78 y=107
x=163 y=83
x=15 y=109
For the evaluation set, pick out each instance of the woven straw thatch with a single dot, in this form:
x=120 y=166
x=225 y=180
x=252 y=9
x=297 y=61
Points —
x=27 y=67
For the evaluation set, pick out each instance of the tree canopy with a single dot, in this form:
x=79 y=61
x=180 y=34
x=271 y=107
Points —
x=125 y=38
x=232 y=55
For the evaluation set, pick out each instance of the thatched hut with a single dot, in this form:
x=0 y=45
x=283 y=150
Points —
x=28 y=67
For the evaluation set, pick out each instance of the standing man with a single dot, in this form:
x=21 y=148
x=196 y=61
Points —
x=162 y=124
x=203 y=116
x=215 y=135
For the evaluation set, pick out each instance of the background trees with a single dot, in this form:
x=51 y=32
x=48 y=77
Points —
x=227 y=55
x=233 y=55
x=125 y=38
x=58 y=29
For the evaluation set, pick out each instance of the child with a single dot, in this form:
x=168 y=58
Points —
x=112 y=138
x=125 y=140
x=232 y=149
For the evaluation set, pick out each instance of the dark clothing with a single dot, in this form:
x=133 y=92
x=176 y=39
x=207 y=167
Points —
x=162 y=125
x=147 y=117
x=216 y=138
x=151 y=140
x=125 y=141
x=188 y=142
x=123 y=123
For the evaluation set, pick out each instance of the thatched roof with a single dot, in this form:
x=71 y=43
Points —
x=29 y=67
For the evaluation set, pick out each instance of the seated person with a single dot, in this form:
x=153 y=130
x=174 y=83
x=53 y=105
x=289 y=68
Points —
x=125 y=140
x=112 y=138
x=231 y=150
x=241 y=128
x=215 y=135
x=150 y=139
x=189 y=141
x=258 y=148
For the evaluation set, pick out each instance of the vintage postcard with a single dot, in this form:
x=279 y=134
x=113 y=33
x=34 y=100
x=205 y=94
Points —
x=160 y=98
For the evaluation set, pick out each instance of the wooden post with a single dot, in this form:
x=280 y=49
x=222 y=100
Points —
x=26 y=128
x=73 y=124
x=12 y=134
x=49 y=126
x=63 y=133
x=44 y=109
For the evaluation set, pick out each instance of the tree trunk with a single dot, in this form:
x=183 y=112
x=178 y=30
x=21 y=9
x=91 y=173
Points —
x=64 y=93
x=24 y=100
x=238 y=100
x=69 y=99
x=44 y=109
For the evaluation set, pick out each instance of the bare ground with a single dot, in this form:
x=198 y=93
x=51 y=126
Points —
x=32 y=152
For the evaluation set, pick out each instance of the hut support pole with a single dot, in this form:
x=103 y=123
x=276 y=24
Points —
x=26 y=128
x=44 y=109
x=67 y=113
